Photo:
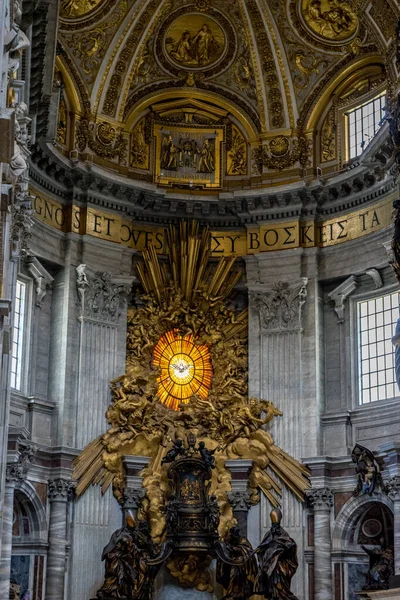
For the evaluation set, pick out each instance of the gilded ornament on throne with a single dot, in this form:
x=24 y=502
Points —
x=188 y=155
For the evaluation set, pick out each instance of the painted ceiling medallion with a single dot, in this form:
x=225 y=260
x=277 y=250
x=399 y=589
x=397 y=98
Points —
x=195 y=42
x=332 y=21
x=71 y=9
x=185 y=369
x=199 y=40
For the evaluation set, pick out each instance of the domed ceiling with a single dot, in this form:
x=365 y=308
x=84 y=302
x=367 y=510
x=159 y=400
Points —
x=214 y=94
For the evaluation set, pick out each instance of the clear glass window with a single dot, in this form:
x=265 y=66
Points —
x=376 y=326
x=18 y=335
x=363 y=123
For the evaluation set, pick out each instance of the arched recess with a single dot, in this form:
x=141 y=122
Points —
x=350 y=562
x=348 y=73
x=190 y=113
x=29 y=541
x=138 y=110
x=350 y=89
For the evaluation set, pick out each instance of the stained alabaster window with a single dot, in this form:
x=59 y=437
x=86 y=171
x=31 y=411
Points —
x=363 y=122
x=376 y=325
x=185 y=368
x=18 y=335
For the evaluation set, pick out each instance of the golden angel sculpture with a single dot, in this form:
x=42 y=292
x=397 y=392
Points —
x=187 y=371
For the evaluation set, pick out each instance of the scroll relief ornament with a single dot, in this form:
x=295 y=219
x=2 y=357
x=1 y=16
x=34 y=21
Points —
x=280 y=309
x=100 y=297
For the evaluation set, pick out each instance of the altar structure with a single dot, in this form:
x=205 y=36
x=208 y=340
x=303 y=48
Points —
x=199 y=235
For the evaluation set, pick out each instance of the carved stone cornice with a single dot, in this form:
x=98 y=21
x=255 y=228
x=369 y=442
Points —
x=340 y=294
x=41 y=277
x=132 y=498
x=320 y=499
x=60 y=490
x=100 y=295
x=341 y=193
x=239 y=501
x=280 y=308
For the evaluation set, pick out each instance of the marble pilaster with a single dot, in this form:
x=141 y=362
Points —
x=59 y=492
x=102 y=330
x=321 y=501
x=279 y=371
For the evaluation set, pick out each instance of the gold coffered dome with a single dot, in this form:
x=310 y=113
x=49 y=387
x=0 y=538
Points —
x=240 y=89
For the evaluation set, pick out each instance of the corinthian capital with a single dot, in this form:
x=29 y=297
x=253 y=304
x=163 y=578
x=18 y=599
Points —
x=239 y=500
x=320 y=499
x=101 y=296
x=60 y=490
x=392 y=487
x=280 y=308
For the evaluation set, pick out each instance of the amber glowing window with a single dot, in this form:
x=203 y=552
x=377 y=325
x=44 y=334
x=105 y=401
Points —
x=185 y=368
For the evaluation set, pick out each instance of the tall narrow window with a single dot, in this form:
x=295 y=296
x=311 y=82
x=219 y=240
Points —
x=363 y=123
x=376 y=324
x=18 y=335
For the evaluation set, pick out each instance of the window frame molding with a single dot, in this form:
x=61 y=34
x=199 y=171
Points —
x=343 y=121
x=27 y=335
x=354 y=348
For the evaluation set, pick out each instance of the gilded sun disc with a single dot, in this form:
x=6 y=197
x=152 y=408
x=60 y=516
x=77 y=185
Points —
x=331 y=20
x=185 y=369
x=194 y=42
x=71 y=9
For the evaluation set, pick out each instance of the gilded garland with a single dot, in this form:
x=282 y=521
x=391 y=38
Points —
x=187 y=372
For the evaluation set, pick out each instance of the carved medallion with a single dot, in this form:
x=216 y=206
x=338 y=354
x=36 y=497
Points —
x=333 y=21
x=195 y=40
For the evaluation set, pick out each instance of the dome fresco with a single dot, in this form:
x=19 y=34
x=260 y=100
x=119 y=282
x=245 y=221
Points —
x=270 y=77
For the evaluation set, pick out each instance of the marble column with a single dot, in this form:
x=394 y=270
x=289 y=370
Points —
x=240 y=503
x=8 y=509
x=321 y=501
x=60 y=492
x=134 y=491
x=393 y=487
x=239 y=497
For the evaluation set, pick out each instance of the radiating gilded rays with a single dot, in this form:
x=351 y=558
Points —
x=185 y=368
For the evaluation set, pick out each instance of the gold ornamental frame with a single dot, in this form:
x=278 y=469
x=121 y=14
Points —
x=183 y=176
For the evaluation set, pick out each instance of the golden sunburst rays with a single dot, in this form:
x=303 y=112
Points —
x=188 y=267
x=185 y=368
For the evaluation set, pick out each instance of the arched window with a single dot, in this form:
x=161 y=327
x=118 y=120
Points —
x=362 y=123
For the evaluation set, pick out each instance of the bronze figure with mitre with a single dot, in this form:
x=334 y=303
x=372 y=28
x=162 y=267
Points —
x=236 y=566
x=131 y=563
x=277 y=558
